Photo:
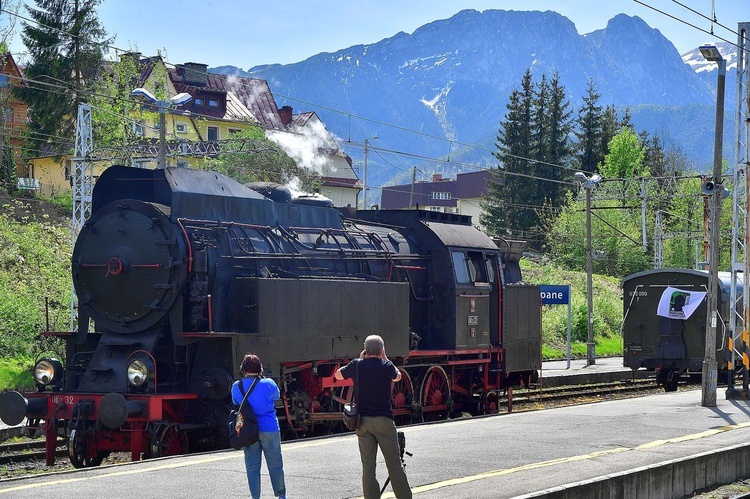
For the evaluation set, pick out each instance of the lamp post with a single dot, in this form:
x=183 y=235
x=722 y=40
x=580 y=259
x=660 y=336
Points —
x=708 y=385
x=588 y=183
x=364 y=172
x=161 y=105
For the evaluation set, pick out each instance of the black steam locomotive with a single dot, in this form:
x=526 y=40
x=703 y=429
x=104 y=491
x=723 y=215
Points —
x=182 y=272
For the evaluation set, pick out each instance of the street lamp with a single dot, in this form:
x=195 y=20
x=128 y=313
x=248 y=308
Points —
x=708 y=398
x=588 y=183
x=364 y=172
x=177 y=100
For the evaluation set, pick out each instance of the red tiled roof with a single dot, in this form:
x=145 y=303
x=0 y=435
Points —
x=239 y=94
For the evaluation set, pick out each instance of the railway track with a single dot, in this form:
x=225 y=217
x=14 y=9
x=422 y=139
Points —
x=27 y=451
x=17 y=459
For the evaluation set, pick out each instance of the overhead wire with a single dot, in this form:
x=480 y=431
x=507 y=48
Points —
x=684 y=22
x=712 y=19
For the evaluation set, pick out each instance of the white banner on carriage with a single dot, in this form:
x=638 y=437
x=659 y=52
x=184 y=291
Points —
x=679 y=304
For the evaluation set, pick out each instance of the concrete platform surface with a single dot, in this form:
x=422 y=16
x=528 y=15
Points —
x=604 y=369
x=498 y=456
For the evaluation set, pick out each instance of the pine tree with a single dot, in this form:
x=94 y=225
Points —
x=558 y=146
x=66 y=44
x=589 y=134
x=506 y=208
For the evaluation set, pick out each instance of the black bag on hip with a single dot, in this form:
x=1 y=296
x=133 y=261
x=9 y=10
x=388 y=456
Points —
x=242 y=424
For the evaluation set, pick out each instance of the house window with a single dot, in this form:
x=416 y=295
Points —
x=213 y=103
x=182 y=164
x=441 y=195
x=233 y=131
x=436 y=208
x=181 y=127
x=138 y=129
x=67 y=170
x=213 y=133
x=199 y=101
x=9 y=115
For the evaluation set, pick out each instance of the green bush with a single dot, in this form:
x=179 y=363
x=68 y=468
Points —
x=35 y=285
x=607 y=310
x=15 y=373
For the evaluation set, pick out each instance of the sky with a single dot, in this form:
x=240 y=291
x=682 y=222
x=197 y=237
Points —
x=247 y=33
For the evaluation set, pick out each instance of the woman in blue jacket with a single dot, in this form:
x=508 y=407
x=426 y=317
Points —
x=262 y=401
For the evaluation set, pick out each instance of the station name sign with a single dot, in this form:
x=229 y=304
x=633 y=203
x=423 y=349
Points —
x=554 y=294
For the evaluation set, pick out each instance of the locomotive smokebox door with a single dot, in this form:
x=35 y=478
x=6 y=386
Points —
x=522 y=328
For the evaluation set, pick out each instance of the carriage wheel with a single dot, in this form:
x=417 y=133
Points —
x=403 y=396
x=435 y=394
x=77 y=449
x=170 y=441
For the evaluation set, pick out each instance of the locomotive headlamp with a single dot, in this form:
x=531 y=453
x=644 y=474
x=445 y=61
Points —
x=48 y=372
x=139 y=372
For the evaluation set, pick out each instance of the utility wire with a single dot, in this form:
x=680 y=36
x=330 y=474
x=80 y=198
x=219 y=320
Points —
x=712 y=19
x=684 y=22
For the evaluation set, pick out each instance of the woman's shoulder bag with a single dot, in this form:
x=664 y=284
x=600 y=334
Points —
x=243 y=426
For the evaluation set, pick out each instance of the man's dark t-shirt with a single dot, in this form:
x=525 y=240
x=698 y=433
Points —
x=375 y=376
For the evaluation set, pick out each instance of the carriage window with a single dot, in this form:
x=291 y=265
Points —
x=459 y=264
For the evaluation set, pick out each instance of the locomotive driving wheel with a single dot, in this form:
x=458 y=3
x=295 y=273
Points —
x=403 y=396
x=435 y=394
x=170 y=441
x=77 y=452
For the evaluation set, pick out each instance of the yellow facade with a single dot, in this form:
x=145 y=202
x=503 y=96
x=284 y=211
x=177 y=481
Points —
x=55 y=176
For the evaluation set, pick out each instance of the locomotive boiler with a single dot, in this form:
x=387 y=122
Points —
x=182 y=272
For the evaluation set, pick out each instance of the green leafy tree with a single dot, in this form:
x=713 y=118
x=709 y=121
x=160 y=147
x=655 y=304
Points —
x=624 y=162
x=610 y=127
x=112 y=102
x=66 y=44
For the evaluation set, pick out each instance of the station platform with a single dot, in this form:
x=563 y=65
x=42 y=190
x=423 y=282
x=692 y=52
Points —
x=578 y=372
x=663 y=445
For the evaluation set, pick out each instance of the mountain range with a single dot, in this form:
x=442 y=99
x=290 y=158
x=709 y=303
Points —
x=442 y=90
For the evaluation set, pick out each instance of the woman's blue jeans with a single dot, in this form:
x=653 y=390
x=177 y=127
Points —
x=270 y=445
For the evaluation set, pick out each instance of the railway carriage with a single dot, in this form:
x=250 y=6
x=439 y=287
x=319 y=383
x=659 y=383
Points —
x=672 y=346
x=182 y=272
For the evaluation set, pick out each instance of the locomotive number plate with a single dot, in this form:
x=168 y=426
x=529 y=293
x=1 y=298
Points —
x=473 y=320
x=64 y=399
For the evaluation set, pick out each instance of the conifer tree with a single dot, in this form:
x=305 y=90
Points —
x=66 y=44
x=589 y=134
x=505 y=211
x=558 y=147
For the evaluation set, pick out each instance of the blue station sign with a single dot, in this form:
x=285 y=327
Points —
x=555 y=294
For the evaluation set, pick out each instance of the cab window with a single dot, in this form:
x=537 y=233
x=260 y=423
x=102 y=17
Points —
x=459 y=265
x=477 y=267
